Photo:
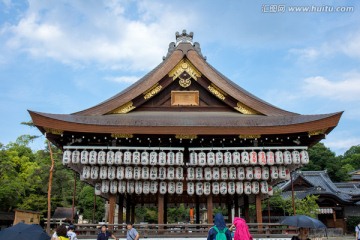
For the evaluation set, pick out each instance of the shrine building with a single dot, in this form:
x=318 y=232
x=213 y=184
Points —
x=184 y=133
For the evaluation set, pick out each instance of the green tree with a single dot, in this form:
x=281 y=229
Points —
x=86 y=204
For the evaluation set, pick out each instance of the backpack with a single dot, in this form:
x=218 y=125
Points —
x=220 y=234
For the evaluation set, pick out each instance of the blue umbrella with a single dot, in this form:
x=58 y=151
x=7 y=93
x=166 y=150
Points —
x=302 y=221
x=22 y=231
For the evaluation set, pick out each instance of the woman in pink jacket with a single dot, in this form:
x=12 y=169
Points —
x=242 y=229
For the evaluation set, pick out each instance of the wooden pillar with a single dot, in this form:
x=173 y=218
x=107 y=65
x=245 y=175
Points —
x=246 y=208
x=197 y=210
x=229 y=208
x=128 y=208
x=160 y=211
x=236 y=206
x=121 y=209
x=165 y=208
x=112 y=206
x=133 y=205
x=258 y=212
x=209 y=202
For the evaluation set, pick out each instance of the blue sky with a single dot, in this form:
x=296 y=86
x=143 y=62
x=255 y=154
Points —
x=64 y=56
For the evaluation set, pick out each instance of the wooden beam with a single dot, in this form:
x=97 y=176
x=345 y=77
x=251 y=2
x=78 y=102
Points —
x=112 y=206
x=209 y=202
x=161 y=212
x=258 y=212
x=121 y=209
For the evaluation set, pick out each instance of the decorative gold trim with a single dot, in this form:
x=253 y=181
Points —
x=127 y=107
x=152 y=91
x=54 y=131
x=121 y=135
x=184 y=66
x=217 y=91
x=317 y=132
x=244 y=109
x=186 y=136
x=249 y=136
x=185 y=82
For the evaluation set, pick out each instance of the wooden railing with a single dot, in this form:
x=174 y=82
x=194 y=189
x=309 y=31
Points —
x=265 y=230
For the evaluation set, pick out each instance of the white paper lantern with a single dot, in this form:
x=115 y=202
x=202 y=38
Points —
x=227 y=158
x=145 y=158
x=101 y=157
x=86 y=172
x=84 y=158
x=66 y=157
x=138 y=187
x=105 y=186
x=136 y=157
x=199 y=188
x=118 y=157
x=145 y=173
x=113 y=187
x=223 y=188
x=210 y=157
x=296 y=157
x=137 y=173
x=219 y=158
x=153 y=173
x=171 y=188
x=179 y=173
x=245 y=158
x=190 y=188
x=93 y=157
x=224 y=173
x=270 y=158
x=216 y=173
x=215 y=188
x=232 y=173
x=287 y=157
x=231 y=188
x=162 y=173
x=249 y=173
x=110 y=157
x=153 y=187
x=122 y=187
x=120 y=173
x=98 y=189
x=239 y=188
x=274 y=172
x=111 y=173
x=190 y=173
x=282 y=172
x=264 y=187
x=130 y=187
x=202 y=158
x=288 y=175
x=193 y=159
x=247 y=188
x=94 y=172
x=179 y=188
x=171 y=158
x=153 y=158
x=103 y=172
x=270 y=191
x=255 y=187
x=279 y=157
x=127 y=157
x=162 y=158
x=257 y=173
x=241 y=173
x=253 y=157
x=262 y=158
x=304 y=157
x=207 y=188
x=170 y=173
x=75 y=157
x=236 y=157
x=198 y=173
x=208 y=174
x=265 y=173
x=179 y=158
x=128 y=172
x=146 y=187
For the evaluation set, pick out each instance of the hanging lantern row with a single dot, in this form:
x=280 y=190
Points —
x=119 y=158
x=262 y=158
x=198 y=188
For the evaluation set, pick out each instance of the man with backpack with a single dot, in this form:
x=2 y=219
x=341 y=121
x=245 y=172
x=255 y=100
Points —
x=219 y=231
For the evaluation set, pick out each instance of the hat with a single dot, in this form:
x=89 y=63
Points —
x=71 y=227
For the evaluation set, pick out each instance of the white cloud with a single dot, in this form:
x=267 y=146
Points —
x=123 y=79
x=340 y=145
x=306 y=53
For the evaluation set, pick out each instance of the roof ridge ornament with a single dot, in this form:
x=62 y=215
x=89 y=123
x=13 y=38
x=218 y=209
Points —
x=184 y=37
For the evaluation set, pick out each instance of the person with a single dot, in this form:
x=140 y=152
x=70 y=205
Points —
x=303 y=233
x=104 y=234
x=61 y=232
x=357 y=232
x=131 y=234
x=71 y=233
x=219 y=230
x=242 y=230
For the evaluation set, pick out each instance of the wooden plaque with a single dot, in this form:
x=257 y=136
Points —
x=184 y=98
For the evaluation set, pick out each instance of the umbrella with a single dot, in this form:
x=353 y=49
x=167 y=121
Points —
x=22 y=231
x=302 y=221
